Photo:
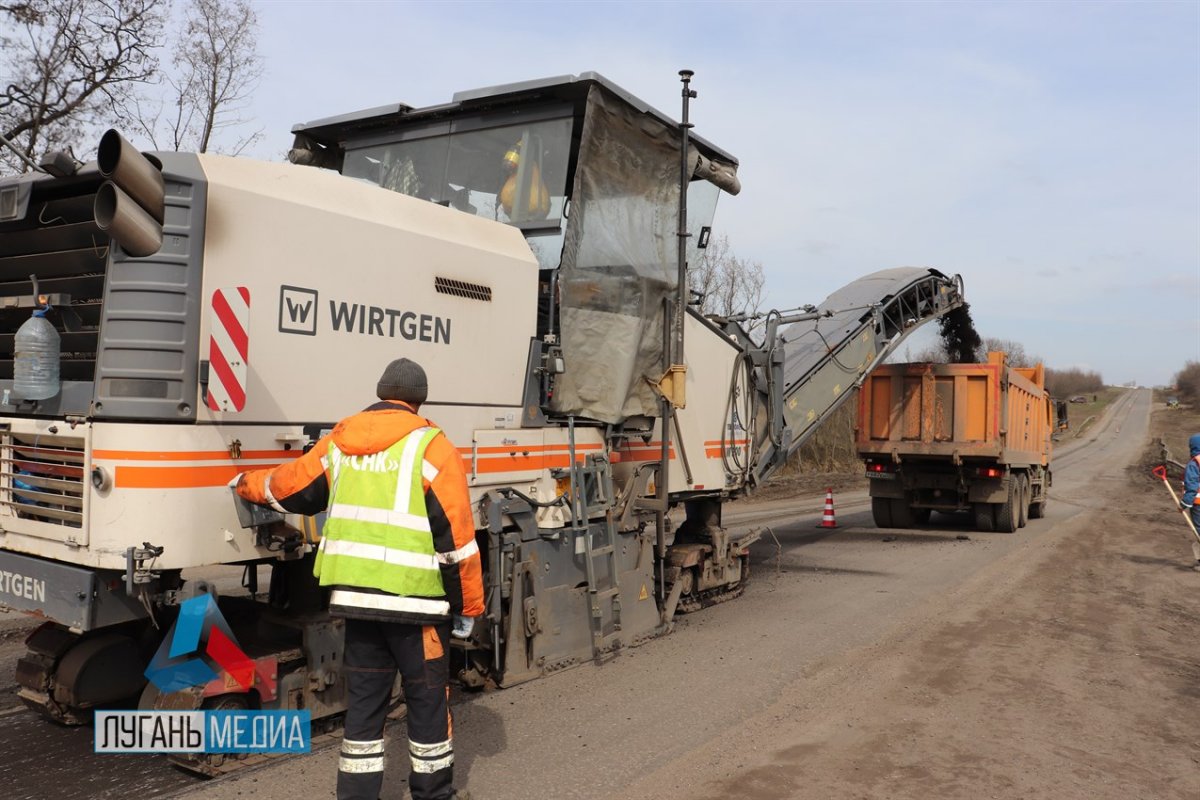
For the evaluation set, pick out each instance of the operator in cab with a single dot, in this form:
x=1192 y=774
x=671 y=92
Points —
x=398 y=551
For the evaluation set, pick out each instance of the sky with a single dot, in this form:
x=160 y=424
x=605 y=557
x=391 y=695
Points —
x=1047 y=152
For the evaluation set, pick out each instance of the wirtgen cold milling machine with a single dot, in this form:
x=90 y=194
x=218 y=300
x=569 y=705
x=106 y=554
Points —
x=527 y=245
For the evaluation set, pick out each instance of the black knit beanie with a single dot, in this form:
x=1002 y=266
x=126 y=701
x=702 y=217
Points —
x=403 y=380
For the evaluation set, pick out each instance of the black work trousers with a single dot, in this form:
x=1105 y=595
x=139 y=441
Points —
x=374 y=652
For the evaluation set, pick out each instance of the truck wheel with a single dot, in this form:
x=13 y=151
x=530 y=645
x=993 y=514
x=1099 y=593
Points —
x=1006 y=512
x=985 y=517
x=902 y=514
x=881 y=510
x=1037 y=510
x=1026 y=493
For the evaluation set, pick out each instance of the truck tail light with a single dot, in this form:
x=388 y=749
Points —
x=991 y=472
x=873 y=466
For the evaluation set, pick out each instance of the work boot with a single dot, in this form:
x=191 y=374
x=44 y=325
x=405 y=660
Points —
x=1196 y=566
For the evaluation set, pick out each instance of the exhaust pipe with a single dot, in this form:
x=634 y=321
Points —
x=134 y=173
x=126 y=221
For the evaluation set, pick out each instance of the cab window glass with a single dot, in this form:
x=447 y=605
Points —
x=515 y=174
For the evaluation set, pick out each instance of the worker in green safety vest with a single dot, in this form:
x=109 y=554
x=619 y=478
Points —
x=399 y=553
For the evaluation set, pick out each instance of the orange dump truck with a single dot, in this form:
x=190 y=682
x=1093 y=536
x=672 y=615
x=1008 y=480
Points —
x=956 y=437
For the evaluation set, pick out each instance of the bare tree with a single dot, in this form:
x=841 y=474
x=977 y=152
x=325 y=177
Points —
x=1015 y=353
x=217 y=68
x=727 y=284
x=1187 y=382
x=959 y=347
x=934 y=353
x=1066 y=382
x=69 y=65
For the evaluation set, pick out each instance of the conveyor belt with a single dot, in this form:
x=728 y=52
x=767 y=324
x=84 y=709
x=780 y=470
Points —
x=818 y=359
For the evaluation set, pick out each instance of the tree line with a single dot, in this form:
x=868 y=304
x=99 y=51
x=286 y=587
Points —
x=1060 y=383
x=178 y=75
x=1187 y=383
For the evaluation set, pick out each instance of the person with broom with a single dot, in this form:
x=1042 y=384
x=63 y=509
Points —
x=1190 y=502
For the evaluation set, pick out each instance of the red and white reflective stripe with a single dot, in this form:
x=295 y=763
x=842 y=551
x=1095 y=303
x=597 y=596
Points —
x=228 y=348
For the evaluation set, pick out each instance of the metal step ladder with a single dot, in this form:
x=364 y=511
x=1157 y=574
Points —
x=597 y=593
x=591 y=496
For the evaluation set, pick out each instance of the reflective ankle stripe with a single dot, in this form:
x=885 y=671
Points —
x=430 y=750
x=361 y=756
x=351 y=747
x=429 y=758
x=355 y=766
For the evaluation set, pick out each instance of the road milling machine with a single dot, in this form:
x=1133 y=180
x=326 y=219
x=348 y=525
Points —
x=527 y=244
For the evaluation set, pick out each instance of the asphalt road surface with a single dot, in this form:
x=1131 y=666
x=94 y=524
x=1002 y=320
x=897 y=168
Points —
x=859 y=663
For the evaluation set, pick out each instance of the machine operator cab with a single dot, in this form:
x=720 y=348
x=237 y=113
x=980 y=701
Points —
x=589 y=174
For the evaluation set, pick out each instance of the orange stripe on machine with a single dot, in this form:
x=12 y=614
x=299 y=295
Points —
x=487 y=460
x=641 y=451
x=529 y=448
x=713 y=449
x=190 y=455
x=179 y=477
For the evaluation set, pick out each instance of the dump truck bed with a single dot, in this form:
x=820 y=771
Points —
x=961 y=411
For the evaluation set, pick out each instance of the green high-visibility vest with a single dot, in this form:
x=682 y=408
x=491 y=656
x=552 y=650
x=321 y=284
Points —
x=377 y=534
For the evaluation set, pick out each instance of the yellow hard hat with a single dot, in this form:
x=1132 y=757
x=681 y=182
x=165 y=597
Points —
x=512 y=158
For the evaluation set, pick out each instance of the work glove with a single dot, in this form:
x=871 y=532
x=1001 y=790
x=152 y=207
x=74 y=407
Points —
x=1183 y=506
x=462 y=626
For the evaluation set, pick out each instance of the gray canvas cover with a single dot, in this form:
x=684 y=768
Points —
x=619 y=262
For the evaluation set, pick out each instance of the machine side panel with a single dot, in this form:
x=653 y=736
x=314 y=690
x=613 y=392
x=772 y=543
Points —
x=76 y=597
x=704 y=424
x=45 y=588
x=166 y=484
x=342 y=277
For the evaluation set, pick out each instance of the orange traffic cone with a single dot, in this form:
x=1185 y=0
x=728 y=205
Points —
x=827 y=520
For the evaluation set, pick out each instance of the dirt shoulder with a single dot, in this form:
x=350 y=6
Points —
x=1072 y=670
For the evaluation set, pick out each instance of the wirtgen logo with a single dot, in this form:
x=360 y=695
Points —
x=298 y=310
x=201 y=655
